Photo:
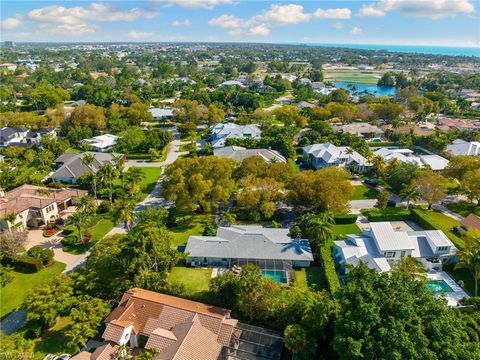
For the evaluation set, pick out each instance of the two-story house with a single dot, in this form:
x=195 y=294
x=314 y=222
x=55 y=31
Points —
x=222 y=132
x=327 y=154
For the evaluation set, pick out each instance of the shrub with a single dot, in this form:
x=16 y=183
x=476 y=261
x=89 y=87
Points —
x=35 y=264
x=105 y=207
x=295 y=232
x=345 y=219
x=329 y=268
x=60 y=221
x=33 y=331
x=87 y=238
x=210 y=229
x=44 y=255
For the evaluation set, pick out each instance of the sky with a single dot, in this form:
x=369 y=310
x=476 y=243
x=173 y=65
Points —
x=389 y=22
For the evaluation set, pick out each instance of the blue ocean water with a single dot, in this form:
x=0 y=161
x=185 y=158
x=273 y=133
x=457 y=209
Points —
x=434 y=50
x=366 y=89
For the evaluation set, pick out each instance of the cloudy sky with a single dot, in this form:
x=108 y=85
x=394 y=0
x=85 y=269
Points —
x=397 y=22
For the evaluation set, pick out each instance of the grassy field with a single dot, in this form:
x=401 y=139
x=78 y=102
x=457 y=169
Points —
x=311 y=277
x=190 y=225
x=14 y=293
x=151 y=177
x=362 y=192
x=195 y=280
x=98 y=231
x=345 y=229
x=464 y=208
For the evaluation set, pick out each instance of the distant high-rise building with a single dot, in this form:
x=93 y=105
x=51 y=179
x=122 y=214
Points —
x=8 y=44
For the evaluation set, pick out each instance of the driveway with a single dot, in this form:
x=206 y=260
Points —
x=35 y=237
x=357 y=205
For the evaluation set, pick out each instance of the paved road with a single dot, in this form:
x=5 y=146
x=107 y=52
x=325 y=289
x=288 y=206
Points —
x=356 y=205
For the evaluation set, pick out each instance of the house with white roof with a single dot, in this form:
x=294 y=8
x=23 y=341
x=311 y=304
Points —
x=102 y=143
x=10 y=136
x=382 y=246
x=222 y=132
x=161 y=113
x=435 y=162
x=231 y=83
x=240 y=153
x=462 y=147
x=327 y=154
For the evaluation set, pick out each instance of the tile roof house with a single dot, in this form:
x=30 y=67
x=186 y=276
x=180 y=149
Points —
x=248 y=242
x=101 y=143
x=471 y=222
x=71 y=166
x=462 y=147
x=435 y=162
x=34 y=205
x=327 y=154
x=360 y=129
x=380 y=247
x=23 y=137
x=240 y=153
x=222 y=132
x=178 y=329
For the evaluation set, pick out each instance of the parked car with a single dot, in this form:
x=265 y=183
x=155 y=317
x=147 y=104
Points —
x=371 y=182
x=391 y=203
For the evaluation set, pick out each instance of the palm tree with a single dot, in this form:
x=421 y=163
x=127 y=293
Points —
x=88 y=159
x=125 y=211
x=409 y=193
x=470 y=256
x=85 y=205
x=120 y=167
x=412 y=266
x=318 y=228
x=133 y=178
x=78 y=220
x=106 y=174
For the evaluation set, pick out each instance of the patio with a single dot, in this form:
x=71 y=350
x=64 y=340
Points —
x=453 y=298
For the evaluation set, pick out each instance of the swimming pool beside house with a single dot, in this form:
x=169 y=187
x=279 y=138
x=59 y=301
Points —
x=439 y=287
x=443 y=285
x=279 y=276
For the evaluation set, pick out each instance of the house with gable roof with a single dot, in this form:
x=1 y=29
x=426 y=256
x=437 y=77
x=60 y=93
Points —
x=327 y=154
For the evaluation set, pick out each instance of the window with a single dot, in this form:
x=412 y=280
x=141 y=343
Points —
x=442 y=248
x=402 y=254
x=389 y=254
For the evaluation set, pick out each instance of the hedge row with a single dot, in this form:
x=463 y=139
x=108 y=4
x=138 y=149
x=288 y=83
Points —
x=426 y=222
x=345 y=219
x=388 y=214
x=329 y=269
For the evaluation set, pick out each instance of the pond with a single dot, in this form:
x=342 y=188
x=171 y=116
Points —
x=366 y=89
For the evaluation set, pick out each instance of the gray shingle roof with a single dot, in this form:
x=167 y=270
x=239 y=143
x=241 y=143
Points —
x=73 y=167
x=240 y=153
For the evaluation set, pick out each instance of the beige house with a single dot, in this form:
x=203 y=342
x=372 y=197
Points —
x=34 y=206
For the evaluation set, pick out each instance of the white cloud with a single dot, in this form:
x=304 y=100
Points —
x=185 y=23
x=434 y=9
x=226 y=22
x=68 y=29
x=276 y=15
x=338 y=25
x=139 y=35
x=355 y=31
x=200 y=4
x=343 y=13
x=10 y=23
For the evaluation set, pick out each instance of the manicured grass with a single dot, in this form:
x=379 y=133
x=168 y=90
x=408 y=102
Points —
x=345 y=229
x=293 y=164
x=189 y=225
x=98 y=231
x=151 y=177
x=14 y=293
x=195 y=280
x=52 y=341
x=311 y=278
x=137 y=156
x=362 y=192
x=464 y=208
x=442 y=222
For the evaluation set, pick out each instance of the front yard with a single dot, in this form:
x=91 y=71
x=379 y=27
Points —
x=98 y=231
x=362 y=192
x=464 y=208
x=15 y=292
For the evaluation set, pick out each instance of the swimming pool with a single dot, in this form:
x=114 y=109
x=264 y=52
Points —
x=280 y=276
x=438 y=286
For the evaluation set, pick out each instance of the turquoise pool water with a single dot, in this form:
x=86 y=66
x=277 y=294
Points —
x=364 y=89
x=279 y=276
x=438 y=286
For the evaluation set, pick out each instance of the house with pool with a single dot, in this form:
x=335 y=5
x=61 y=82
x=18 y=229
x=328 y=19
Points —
x=271 y=249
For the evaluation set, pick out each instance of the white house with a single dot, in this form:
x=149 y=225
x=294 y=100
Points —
x=161 y=113
x=382 y=246
x=231 y=83
x=240 y=153
x=222 y=132
x=327 y=154
x=435 y=162
x=10 y=136
x=462 y=147
x=102 y=143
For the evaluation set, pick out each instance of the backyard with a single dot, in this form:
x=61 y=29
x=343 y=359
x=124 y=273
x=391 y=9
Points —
x=14 y=293
x=195 y=280
x=311 y=277
x=188 y=225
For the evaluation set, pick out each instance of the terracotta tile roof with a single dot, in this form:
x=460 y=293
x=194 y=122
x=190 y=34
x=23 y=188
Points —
x=171 y=316
x=114 y=332
x=108 y=351
x=472 y=221
x=30 y=196
x=82 y=355
x=160 y=339
x=199 y=345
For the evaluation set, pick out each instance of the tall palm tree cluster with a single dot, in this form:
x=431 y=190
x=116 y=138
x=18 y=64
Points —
x=113 y=182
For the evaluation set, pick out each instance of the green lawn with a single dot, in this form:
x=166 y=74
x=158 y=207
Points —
x=72 y=151
x=293 y=164
x=444 y=223
x=190 y=225
x=464 y=208
x=195 y=280
x=98 y=231
x=345 y=229
x=52 y=341
x=362 y=192
x=311 y=277
x=14 y=293
x=151 y=177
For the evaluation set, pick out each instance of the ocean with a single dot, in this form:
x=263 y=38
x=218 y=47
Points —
x=434 y=50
